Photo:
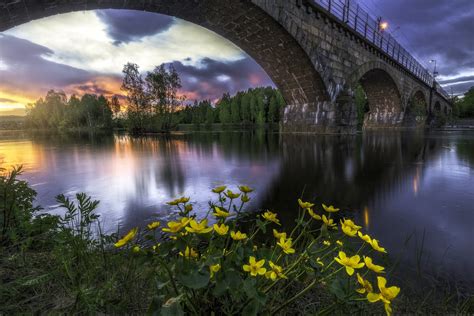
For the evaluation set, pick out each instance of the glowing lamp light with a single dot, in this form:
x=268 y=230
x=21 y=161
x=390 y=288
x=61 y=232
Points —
x=383 y=26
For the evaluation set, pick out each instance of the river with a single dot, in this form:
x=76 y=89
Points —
x=412 y=190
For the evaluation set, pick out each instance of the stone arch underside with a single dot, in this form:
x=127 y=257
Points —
x=416 y=110
x=384 y=99
x=240 y=22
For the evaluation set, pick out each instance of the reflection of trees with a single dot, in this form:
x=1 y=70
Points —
x=345 y=170
x=464 y=150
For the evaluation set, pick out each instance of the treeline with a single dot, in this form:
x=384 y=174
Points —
x=464 y=107
x=254 y=106
x=56 y=111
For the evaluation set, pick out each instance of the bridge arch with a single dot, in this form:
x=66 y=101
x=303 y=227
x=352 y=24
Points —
x=383 y=94
x=416 y=111
x=243 y=23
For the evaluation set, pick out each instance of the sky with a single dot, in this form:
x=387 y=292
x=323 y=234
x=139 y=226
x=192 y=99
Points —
x=88 y=50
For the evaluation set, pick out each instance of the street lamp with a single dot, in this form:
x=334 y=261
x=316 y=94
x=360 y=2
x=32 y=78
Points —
x=435 y=72
x=383 y=25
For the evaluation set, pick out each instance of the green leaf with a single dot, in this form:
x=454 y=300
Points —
x=252 y=308
x=194 y=279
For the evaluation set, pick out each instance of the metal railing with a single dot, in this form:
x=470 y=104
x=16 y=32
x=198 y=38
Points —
x=354 y=17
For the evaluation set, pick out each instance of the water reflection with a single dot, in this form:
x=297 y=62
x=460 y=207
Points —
x=397 y=184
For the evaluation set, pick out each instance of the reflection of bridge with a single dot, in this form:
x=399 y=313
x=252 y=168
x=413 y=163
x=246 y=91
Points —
x=315 y=51
x=348 y=171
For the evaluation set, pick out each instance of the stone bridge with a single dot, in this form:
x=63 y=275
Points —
x=315 y=51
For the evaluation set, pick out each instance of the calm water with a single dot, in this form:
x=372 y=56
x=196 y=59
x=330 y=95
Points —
x=397 y=184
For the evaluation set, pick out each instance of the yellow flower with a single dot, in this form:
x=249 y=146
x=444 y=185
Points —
x=155 y=247
x=174 y=227
x=198 y=228
x=238 y=235
x=231 y=195
x=313 y=214
x=275 y=272
x=327 y=243
x=189 y=253
x=371 y=266
x=153 y=226
x=365 y=238
x=136 y=249
x=255 y=267
x=318 y=261
x=271 y=217
x=286 y=244
x=386 y=295
x=179 y=201
x=188 y=208
x=375 y=245
x=214 y=268
x=219 y=212
x=339 y=243
x=245 y=198
x=219 y=189
x=328 y=222
x=366 y=286
x=305 y=205
x=221 y=229
x=330 y=209
x=349 y=227
x=279 y=235
x=350 y=263
x=245 y=189
x=125 y=239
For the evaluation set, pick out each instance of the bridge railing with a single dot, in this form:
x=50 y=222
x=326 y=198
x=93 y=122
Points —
x=357 y=19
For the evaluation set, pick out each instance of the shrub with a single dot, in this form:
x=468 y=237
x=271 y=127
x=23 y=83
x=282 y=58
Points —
x=219 y=268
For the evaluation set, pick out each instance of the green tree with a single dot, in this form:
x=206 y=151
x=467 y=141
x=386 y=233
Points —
x=465 y=104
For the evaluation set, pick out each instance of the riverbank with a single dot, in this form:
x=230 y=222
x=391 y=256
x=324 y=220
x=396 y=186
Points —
x=68 y=265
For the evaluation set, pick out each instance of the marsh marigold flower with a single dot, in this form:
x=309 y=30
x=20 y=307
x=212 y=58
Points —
x=371 y=266
x=221 y=229
x=238 y=235
x=189 y=253
x=198 y=228
x=279 y=235
x=219 y=189
x=327 y=243
x=153 y=226
x=276 y=272
x=375 y=245
x=330 y=209
x=231 y=195
x=271 y=217
x=213 y=269
x=366 y=286
x=181 y=200
x=286 y=244
x=220 y=212
x=175 y=227
x=349 y=227
x=314 y=215
x=245 y=198
x=350 y=263
x=245 y=189
x=255 y=267
x=136 y=249
x=126 y=239
x=339 y=243
x=329 y=222
x=386 y=295
x=305 y=205
x=365 y=238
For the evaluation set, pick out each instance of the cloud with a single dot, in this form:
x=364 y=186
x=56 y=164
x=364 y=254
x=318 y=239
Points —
x=441 y=30
x=82 y=40
x=125 y=26
x=212 y=78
